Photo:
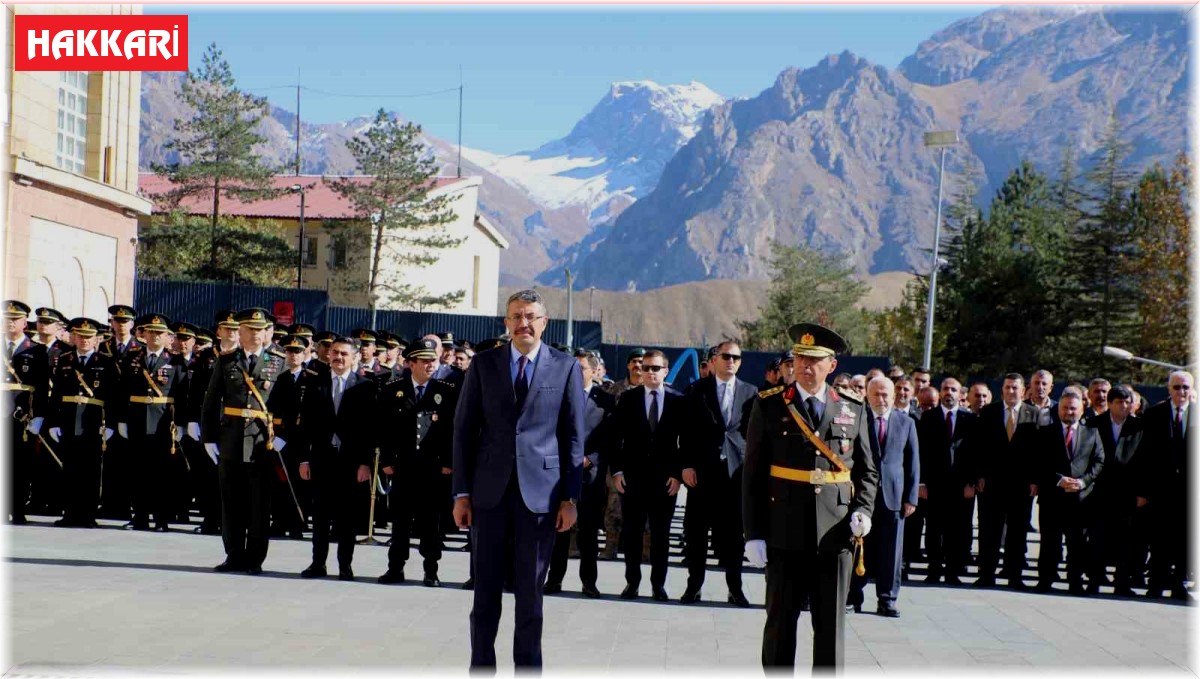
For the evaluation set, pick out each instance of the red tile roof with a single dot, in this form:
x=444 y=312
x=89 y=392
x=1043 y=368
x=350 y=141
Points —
x=320 y=200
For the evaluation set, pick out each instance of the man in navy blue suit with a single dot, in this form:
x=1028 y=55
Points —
x=518 y=470
x=893 y=437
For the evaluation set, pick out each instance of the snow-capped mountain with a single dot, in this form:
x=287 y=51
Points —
x=617 y=151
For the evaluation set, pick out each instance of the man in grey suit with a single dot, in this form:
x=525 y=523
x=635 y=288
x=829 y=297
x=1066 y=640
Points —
x=893 y=436
x=713 y=449
x=518 y=467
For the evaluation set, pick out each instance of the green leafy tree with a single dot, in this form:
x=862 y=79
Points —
x=176 y=247
x=406 y=225
x=807 y=285
x=898 y=332
x=216 y=154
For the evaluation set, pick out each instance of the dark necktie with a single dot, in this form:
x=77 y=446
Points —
x=882 y=432
x=814 y=410
x=521 y=386
x=1070 y=442
x=420 y=392
x=250 y=362
x=12 y=349
x=652 y=418
x=949 y=425
x=1177 y=425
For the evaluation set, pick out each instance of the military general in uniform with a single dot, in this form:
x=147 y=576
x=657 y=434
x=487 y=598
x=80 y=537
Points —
x=237 y=425
x=26 y=385
x=808 y=492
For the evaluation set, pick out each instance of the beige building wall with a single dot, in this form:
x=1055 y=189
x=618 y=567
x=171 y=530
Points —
x=59 y=214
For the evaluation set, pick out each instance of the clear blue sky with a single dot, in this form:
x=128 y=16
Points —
x=530 y=74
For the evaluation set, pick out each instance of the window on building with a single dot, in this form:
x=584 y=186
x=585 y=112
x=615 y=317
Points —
x=337 y=253
x=72 y=121
x=309 y=256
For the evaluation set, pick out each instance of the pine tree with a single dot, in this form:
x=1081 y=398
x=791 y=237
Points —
x=406 y=224
x=217 y=157
x=807 y=285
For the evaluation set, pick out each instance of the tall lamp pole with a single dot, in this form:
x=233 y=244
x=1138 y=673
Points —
x=941 y=139
x=296 y=188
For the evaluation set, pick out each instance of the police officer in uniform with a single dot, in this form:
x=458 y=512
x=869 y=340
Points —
x=808 y=492
x=85 y=383
x=238 y=426
x=152 y=381
x=208 y=487
x=26 y=384
x=419 y=414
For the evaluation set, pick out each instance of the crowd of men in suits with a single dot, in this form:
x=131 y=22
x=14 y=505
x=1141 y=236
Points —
x=265 y=430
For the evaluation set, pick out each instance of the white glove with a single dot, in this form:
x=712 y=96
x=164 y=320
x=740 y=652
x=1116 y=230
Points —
x=35 y=425
x=756 y=552
x=278 y=443
x=55 y=433
x=860 y=524
x=213 y=451
x=178 y=434
x=108 y=433
x=123 y=430
x=193 y=430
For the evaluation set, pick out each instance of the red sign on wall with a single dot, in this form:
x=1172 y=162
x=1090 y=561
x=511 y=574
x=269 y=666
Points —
x=101 y=42
x=285 y=313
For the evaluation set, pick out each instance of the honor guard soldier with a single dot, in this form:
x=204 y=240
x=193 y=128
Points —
x=85 y=382
x=369 y=364
x=389 y=355
x=808 y=491
x=46 y=481
x=50 y=325
x=152 y=381
x=123 y=347
x=417 y=413
x=208 y=493
x=26 y=387
x=204 y=340
x=322 y=341
x=237 y=426
x=294 y=383
x=184 y=345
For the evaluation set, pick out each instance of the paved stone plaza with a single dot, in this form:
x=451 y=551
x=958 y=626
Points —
x=89 y=602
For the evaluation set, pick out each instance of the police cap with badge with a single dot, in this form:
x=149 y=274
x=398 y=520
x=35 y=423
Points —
x=121 y=313
x=254 y=318
x=47 y=315
x=153 y=323
x=816 y=341
x=15 y=309
x=423 y=348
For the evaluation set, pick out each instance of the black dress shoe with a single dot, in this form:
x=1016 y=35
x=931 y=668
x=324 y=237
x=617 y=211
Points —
x=19 y=520
x=953 y=580
x=806 y=605
x=887 y=610
x=254 y=570
x=162 y=528
x=136 y=525
x=296 y=535
x=737 y=599
x=933 y=578
x=551 y=588
x=854 y=608
x=1043 y=587
x=1093 y=588
x=630 y=592
x=314 y=571
x=660 y=594
x=591 y=592
x=690 y=596
x=431 y=581
x=391 y=577
x=1017 y=584
x=469 y=584
x=228 y=566
x=1077 y=589
x=346 y=574
x=1124 y=592
x=984 y=582
x=1180 y=594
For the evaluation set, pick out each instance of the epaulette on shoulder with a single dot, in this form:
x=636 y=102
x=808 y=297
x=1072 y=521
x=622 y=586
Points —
x=850 y=396
x=226 y=353
x=276 y=352
x=771 y=392
x=310 y=371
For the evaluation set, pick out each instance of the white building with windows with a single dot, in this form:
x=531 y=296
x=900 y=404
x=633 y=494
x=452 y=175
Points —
x=70 y=171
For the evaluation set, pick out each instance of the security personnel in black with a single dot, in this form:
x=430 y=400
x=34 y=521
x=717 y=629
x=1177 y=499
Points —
x=191 y=453
x=119 y=471
x=808 y=491
x=293 y=385
x=418 y=416
x=26 y=384
x=208 y=488
x=237 y=424
x=46 y=476
x=85 y=384
x=151 y=382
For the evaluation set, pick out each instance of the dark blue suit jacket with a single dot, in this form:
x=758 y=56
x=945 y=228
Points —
x=899 y=462
x=544 y=440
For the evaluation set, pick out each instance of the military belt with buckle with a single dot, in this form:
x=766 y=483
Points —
x=248 y=414
x=153 y=400
x=83 y=401
x=814 y=477
x=15 y=386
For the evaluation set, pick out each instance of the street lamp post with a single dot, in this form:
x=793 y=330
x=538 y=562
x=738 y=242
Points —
x=570 y=310
x=1125 y=355
x=296 y=188
x=941 y=139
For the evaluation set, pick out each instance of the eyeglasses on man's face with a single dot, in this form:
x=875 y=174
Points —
x=524 y=318
x=1181 y=387
x=653 y=368
x=731 y=357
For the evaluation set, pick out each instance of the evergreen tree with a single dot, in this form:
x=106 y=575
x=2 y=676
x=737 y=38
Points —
x=217 y=157
x=807 y=285
x=1104 y=309
x=406 y=225
x=176 y=247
